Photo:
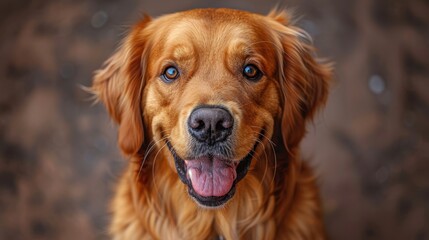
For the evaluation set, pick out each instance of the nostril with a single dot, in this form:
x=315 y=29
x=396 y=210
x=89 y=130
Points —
x=200 y=125
x=196 y=124
x=223 y=125
x=219 y=126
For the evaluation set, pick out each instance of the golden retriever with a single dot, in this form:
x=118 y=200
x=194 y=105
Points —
x=211 y=106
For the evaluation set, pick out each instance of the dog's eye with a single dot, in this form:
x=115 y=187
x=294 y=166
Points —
x=251 y=72
x=170 y=74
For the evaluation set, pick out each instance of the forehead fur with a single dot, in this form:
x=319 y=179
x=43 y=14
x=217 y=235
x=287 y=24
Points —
x=211 y=32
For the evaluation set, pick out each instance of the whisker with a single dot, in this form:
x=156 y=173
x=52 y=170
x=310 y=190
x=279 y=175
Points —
x=266 y=160
x=261 y=134
x=272 y=144
x=147 y=153
x=153 y=169
x=275 y=163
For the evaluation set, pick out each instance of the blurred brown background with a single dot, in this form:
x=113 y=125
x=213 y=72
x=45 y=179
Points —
x=58 y=154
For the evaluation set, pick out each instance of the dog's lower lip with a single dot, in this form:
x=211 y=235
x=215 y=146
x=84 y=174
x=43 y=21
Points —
x=241 y=168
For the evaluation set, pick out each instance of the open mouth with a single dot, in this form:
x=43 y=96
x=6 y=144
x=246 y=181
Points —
x=211 y=179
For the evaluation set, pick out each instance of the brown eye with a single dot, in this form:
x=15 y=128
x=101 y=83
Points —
x=170 y=74
x=251 y=72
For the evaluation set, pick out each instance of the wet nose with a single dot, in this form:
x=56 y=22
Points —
x=210 y=124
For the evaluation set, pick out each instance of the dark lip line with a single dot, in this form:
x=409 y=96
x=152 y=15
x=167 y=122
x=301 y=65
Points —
x=242 y=169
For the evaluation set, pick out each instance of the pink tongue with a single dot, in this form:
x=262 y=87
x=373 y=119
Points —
x=211 y=177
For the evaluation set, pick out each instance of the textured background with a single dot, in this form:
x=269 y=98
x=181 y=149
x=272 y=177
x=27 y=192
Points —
x=58 y=154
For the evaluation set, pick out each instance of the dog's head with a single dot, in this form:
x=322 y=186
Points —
x=208 y=88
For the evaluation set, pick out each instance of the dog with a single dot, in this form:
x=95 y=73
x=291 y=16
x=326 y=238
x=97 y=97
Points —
x=212 y=105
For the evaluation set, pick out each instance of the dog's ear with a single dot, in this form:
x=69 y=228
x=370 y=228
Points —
x=304 y=80
x=119 y=86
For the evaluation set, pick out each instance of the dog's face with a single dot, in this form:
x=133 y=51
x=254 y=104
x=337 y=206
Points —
x=207 y=88
x=211 y=96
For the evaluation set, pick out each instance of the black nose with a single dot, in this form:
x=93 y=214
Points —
x=210 y=124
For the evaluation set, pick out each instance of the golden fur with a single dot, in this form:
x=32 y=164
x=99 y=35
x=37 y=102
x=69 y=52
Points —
x=278 y=198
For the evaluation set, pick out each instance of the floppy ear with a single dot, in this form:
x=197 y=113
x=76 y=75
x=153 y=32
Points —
x=304 y=81
x=119 y=86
